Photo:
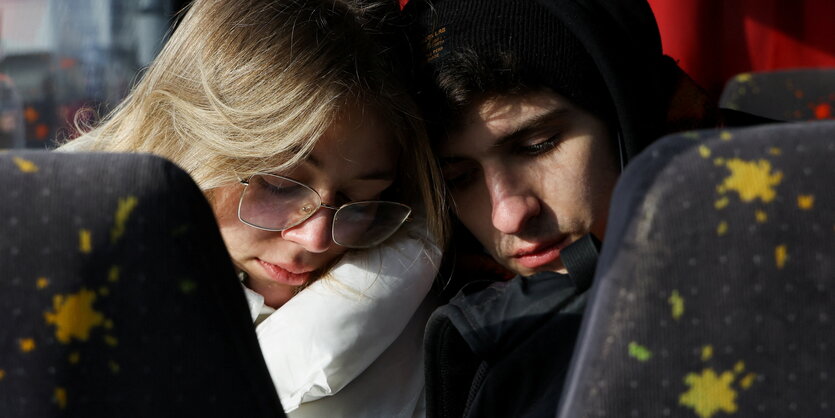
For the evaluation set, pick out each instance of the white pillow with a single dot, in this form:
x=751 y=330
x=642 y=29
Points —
x=329 y=333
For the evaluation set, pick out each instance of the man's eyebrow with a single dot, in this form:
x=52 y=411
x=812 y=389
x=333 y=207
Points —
x=525 y=129
x=531 y=126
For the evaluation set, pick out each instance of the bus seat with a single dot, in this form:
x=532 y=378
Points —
x=715 y=288
x=784 y=95
x=117 y=296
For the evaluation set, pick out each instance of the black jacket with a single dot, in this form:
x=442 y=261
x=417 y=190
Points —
x=502 y=349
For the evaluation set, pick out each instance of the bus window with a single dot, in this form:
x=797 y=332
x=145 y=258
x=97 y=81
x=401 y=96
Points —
x=59 y=56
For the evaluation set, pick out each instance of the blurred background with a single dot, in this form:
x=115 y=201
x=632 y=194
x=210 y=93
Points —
x=59 y=56
x=713 y=40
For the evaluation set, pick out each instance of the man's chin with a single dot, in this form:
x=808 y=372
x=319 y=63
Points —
x=556 y=267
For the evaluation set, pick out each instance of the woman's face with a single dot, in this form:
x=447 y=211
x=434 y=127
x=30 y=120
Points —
x=354 y=160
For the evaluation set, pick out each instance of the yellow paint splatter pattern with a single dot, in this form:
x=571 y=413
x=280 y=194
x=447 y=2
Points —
x=747 y=381
x=60 y=397
x=805 y=201
x=751 y=180
x=709 y=393
x=722 y=229
x=74 y=316
x=26 y=344
x=639 y=352
x=111 y=340
x=707 y=352
x=743 y=78
x=781 y=254
x=85 y=241
x=113 y=274
x=123 y=212
x=676 y=304
x=42 y=283
x=25 y=166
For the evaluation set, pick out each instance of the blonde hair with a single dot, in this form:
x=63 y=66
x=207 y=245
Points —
x=247 y=86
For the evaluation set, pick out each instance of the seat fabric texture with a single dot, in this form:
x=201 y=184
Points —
x=783 y=95
x=715 y=289
x=117 y=295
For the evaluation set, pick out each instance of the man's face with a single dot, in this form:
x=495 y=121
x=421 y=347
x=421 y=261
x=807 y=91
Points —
x=529 y=174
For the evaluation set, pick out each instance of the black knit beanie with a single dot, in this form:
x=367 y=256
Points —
x=543 y=51
x=603 y=55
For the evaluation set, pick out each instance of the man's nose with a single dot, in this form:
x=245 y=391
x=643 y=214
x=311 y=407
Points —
x=512 y=201
x=314 y=234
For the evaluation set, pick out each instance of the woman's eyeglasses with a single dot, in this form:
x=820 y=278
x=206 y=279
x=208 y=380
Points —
x=276 y=203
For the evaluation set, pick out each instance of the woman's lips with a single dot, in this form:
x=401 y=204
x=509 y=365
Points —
x=539 y=255
x=284 y=275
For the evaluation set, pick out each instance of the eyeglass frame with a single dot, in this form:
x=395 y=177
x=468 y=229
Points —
x=245 y=183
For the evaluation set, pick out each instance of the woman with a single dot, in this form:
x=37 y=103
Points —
x=289 y=118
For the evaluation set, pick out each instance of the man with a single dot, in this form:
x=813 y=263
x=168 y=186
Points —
x=535 y=106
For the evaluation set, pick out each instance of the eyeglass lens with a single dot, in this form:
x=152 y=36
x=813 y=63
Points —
x=368 y=223
x=278 y=203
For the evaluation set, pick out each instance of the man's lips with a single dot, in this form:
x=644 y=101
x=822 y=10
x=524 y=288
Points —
x=286 y=274
x=539 y=255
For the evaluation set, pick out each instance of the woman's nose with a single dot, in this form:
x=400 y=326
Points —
x=314 y=234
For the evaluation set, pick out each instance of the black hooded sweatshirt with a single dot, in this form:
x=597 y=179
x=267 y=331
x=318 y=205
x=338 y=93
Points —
x=502 y=349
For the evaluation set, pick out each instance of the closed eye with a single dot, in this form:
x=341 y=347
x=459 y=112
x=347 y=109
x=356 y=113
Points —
x=286 y=191
x=540 y=148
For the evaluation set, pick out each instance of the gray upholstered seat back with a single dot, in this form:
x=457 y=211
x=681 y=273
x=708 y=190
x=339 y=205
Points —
x=715 y=291
x=117 y=296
